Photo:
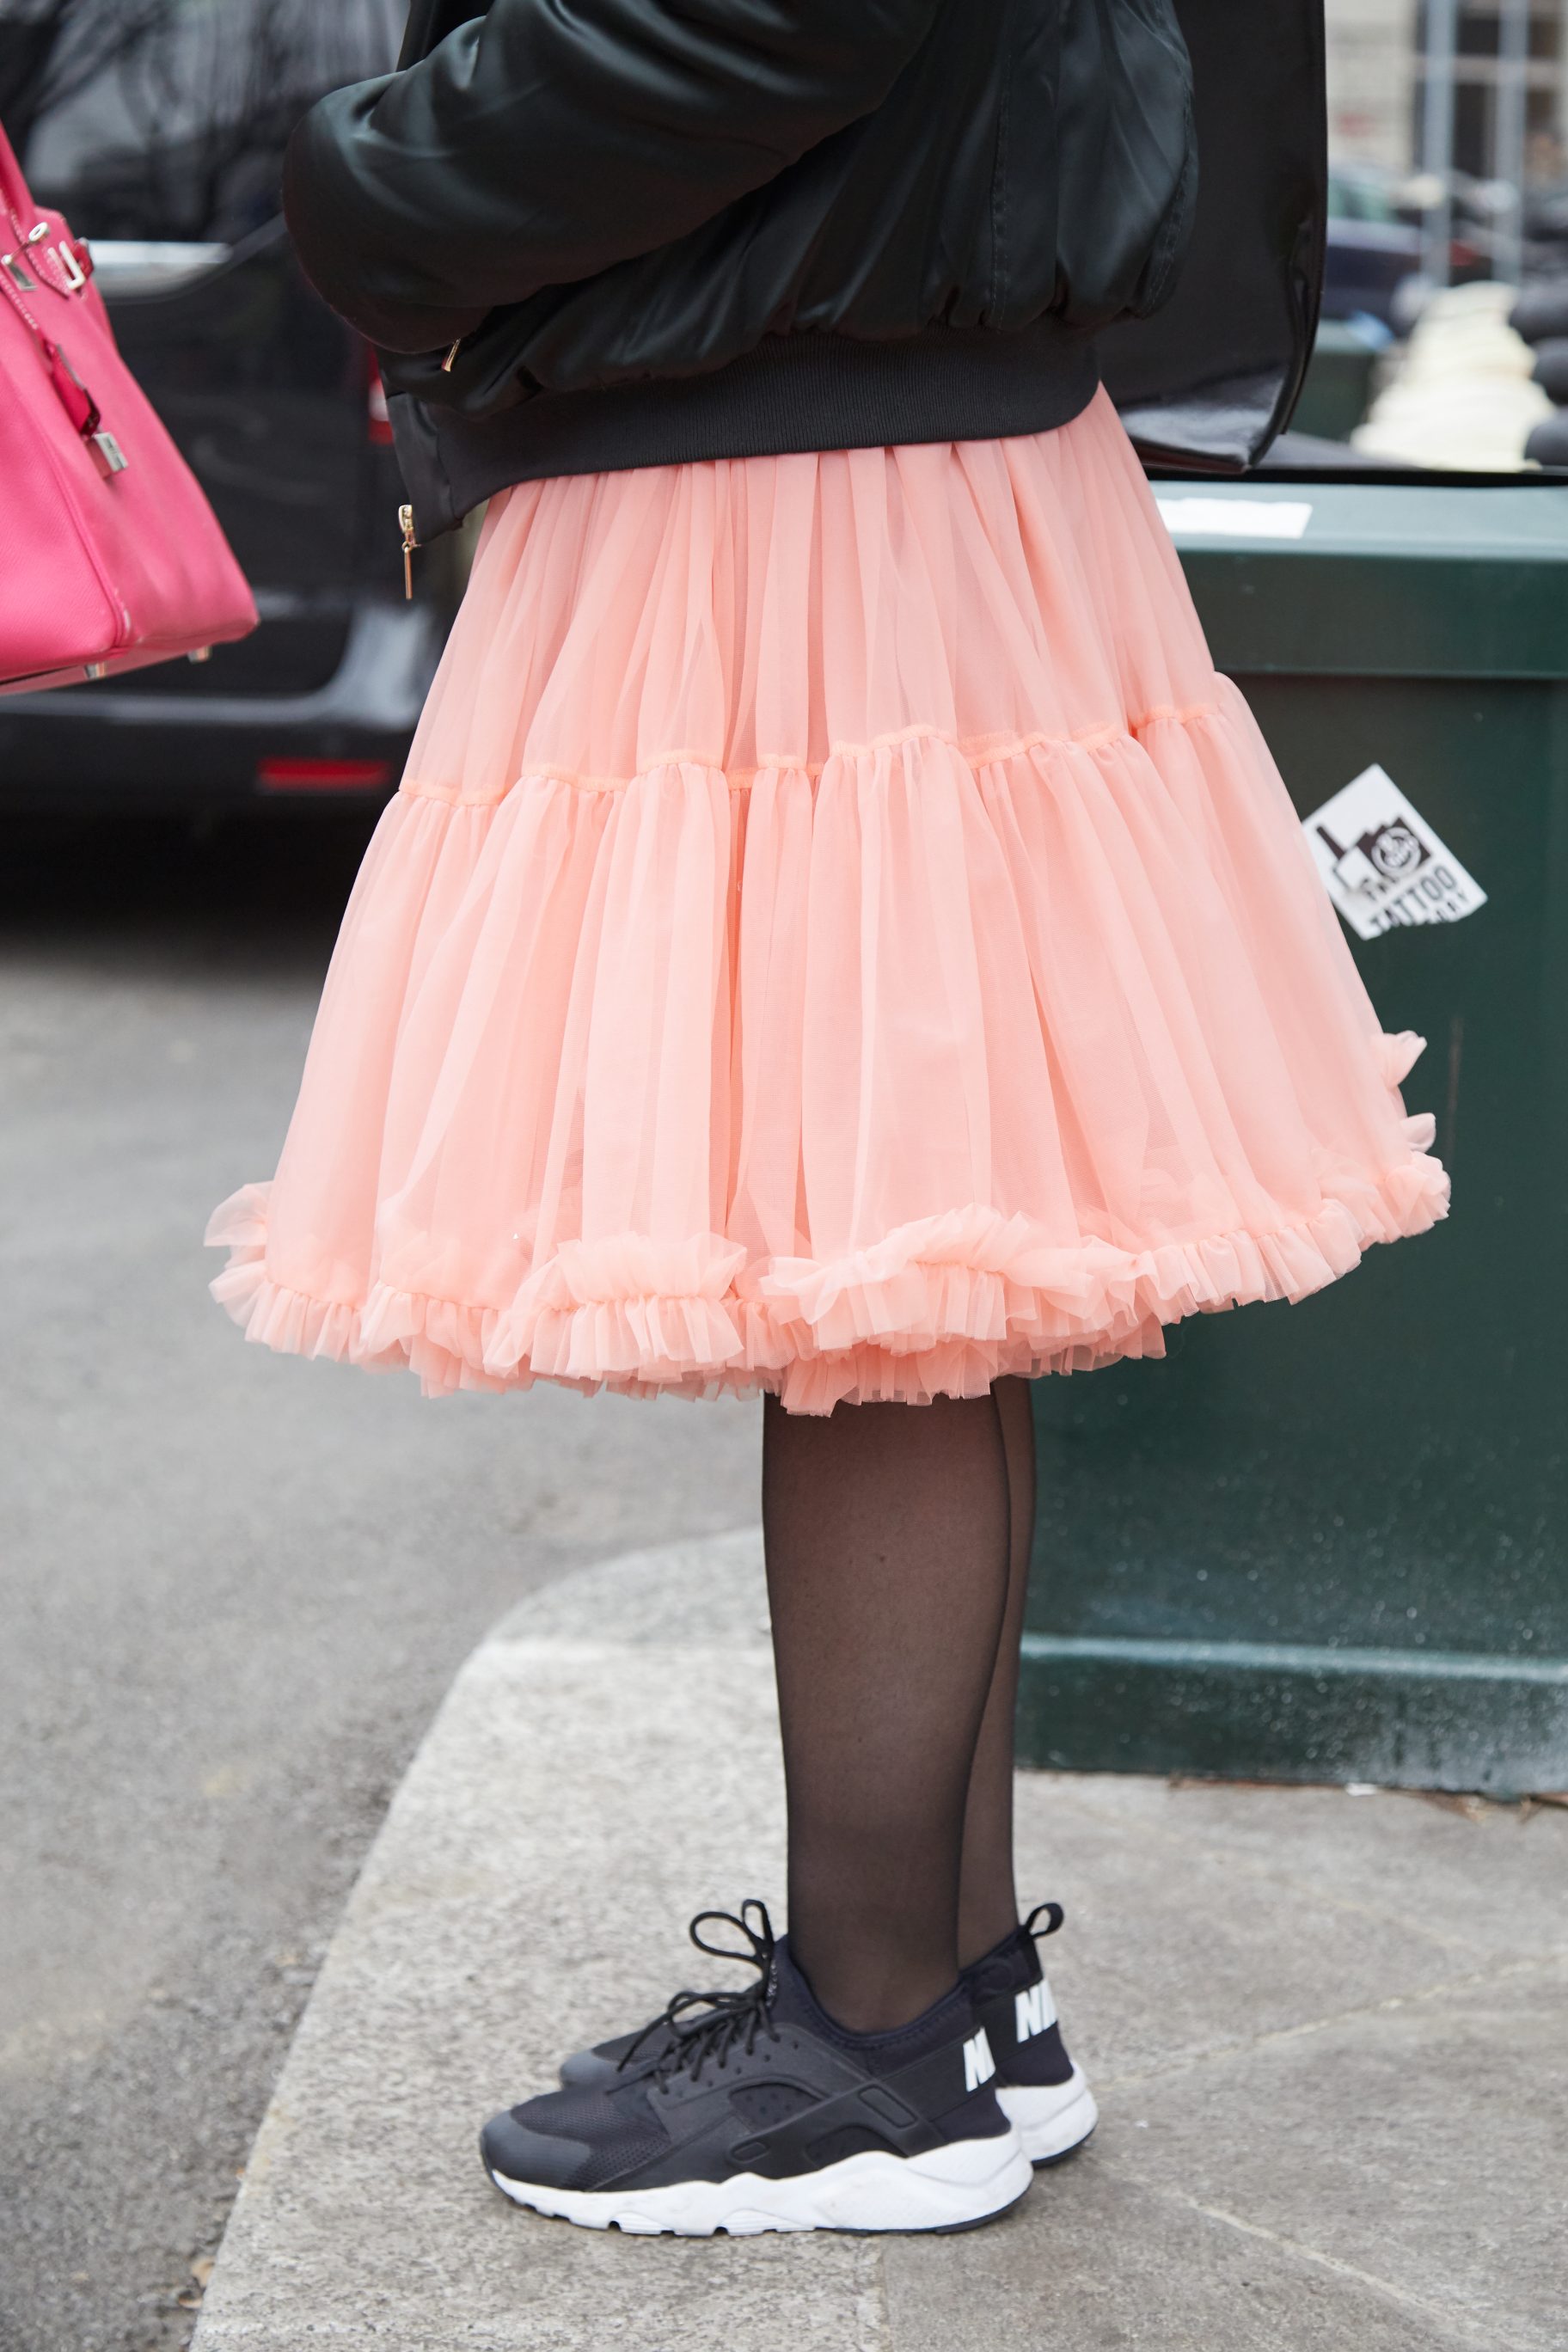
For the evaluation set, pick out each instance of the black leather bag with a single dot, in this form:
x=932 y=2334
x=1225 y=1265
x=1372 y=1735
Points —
x=1210 y=379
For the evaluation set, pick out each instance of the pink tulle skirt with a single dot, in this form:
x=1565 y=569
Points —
x=837 y=935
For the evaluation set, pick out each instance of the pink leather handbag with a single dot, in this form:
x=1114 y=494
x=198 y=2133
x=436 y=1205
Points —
x=110 y=554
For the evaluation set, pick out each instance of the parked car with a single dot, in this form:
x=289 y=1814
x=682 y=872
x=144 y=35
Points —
x=1375 y=245
x=158 y=127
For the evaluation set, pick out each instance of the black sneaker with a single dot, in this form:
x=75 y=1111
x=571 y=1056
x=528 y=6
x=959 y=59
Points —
x=1037 y=2086
x=1037 y=2083
x=766 y=2116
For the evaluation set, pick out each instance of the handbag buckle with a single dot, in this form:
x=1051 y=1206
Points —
x=111 y=457
x=75 y=274
x=24 y=284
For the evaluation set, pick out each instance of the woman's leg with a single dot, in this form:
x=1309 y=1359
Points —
x=888 y=1575
x=987 y=1899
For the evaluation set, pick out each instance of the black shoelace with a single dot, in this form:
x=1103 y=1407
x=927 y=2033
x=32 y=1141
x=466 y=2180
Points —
x=710 y=2025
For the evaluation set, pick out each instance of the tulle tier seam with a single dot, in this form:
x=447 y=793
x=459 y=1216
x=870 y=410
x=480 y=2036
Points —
x=976 y=754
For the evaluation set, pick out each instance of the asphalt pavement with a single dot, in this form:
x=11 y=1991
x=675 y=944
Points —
x=233 y=1588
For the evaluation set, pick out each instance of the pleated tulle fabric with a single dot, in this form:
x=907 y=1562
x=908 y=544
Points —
x=837 y=935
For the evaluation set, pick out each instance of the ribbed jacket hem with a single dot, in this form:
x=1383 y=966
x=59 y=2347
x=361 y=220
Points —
x=798 y=391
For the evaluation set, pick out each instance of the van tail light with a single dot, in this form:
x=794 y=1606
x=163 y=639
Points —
x=378 y=423
x=304 y=775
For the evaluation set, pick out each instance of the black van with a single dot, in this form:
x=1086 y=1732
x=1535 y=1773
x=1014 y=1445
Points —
x=158 y=127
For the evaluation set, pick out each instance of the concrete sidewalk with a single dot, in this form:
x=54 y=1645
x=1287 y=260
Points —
x=1327 y=2031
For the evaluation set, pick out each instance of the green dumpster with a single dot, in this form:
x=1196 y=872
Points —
x=1327 y=1542
x=1337 y=392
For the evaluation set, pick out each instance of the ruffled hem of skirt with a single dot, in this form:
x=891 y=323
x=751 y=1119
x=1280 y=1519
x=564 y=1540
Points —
x=943 y=1307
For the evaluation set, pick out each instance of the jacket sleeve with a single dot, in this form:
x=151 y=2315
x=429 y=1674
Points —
x=550 y=139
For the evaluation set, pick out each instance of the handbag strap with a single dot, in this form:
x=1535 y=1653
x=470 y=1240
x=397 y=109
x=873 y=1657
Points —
x=14 y=193
x=13 y=294
x=82 y=410
x=61 y=260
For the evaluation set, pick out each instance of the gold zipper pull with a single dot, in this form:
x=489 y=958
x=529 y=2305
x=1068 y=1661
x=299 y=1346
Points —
x=406 y=518
x=450 y=361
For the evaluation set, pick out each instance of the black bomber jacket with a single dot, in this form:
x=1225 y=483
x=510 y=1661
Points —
x=593 y=234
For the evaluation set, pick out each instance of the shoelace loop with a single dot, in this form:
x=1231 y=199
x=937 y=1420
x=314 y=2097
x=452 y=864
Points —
x=726 y=2018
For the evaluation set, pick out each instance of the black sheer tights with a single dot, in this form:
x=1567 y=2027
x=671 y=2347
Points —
x=897 y=1542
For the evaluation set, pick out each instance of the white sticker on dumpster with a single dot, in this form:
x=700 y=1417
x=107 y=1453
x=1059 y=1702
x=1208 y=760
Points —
x=1384 y=864
x=1186 y=518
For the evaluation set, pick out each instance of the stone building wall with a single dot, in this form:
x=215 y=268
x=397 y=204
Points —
x=1372 y=56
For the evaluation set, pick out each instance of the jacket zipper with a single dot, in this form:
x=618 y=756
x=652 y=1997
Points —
x=406 y=513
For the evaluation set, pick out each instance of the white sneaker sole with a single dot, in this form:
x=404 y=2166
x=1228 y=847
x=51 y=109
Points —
x=950 y=2187
x=1052 y=2118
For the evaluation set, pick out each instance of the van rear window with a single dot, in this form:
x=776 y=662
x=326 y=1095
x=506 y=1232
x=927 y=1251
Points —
x=167 y=119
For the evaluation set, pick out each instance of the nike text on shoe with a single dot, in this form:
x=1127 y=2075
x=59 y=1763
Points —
x=766 y=2116
x=1037 y=2086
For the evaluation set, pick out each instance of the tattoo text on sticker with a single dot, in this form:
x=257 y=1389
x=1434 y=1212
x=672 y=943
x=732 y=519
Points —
x=1383 y=864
